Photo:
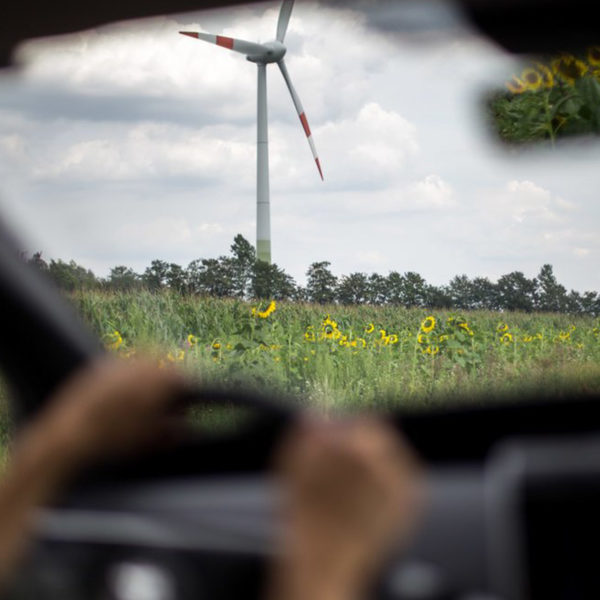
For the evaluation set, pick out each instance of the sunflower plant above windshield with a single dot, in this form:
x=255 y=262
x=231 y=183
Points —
x=551 y=98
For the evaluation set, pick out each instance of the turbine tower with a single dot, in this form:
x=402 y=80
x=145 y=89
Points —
x=262 y=55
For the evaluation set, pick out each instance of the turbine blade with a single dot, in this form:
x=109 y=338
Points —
x=301 y=114
x=284 y=18
x=241 y=46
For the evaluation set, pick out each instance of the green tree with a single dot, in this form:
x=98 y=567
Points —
x=176 y=278
x=71 y=276
x=437 y=297
x=413 y=289
x=516 y=292
x=242 y=264
x=155 y=276
x=551 y=296
x=321 y=283
x=395 y=288
x=353 y=289
x=377 y=292
x=122 y=278
x=38 y=262
x=484 y=294
x=270 y=282
x=210 y=277
x=460 y=290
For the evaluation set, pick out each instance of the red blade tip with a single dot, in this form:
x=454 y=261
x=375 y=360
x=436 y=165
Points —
x=190 y=33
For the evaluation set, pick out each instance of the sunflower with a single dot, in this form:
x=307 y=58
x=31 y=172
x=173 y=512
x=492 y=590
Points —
x=309 y=335
x=268 y=311
x=328 y=321
x=433 y=350
x=515 y=85
x=502 y=327
x=569 y=68
x=442 y=338
x=176 y=357
x=593 y=55
x=421 y=339
x=428 y=324
x=547 y=77
x=370 y=328
x=466 y=327
x=507 y=338
x=329 y=329
x=531 y=78
x=192 y=340
x=114 y=340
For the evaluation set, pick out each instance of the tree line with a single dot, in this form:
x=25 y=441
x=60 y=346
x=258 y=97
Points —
x=241 y=275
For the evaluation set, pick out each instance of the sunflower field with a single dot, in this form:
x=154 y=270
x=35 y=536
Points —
x=549 y=99
x=361 y=357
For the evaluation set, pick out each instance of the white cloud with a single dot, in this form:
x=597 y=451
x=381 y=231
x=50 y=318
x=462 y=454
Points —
x=149 y=151
x=431 y=192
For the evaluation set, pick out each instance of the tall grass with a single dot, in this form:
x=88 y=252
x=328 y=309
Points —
x=494 y=354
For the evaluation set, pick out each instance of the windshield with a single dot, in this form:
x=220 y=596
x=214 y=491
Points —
x=429 y=263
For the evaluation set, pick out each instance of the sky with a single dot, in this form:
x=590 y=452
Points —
x=130 y=142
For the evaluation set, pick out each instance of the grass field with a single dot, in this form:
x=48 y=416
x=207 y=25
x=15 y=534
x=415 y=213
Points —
x=338 y=357
x=352 y=357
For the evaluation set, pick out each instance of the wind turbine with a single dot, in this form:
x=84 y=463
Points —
x=262 y=55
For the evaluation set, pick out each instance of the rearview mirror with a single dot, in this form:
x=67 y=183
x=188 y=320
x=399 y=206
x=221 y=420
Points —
x=550 y=98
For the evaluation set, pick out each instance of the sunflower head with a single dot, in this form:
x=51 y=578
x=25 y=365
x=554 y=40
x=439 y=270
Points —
x=113 y=340
x=502 y=327
x=546 y=73
x=268 y=311
x=507 y=338
x=593 y=55
x=569 y=68
x=531 y=78
x=428 y=324
x=431 y=350
x=516 y=85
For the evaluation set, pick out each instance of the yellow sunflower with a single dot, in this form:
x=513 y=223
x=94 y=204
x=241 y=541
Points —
x=532 y=79
x=114 y=340
x=268 y=311
x=428 y=324
x=547 y=77
x=370 y=328
x=507 y=338
x=593 y=55
x=502 y=327
x=515 y=85
x=432 y=350
x=421 y=339
x=192 y=340
x=569 y=68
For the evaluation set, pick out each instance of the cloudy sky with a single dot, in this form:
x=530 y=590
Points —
x=131 y=142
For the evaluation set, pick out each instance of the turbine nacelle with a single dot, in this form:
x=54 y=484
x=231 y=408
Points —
x=274 y=52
